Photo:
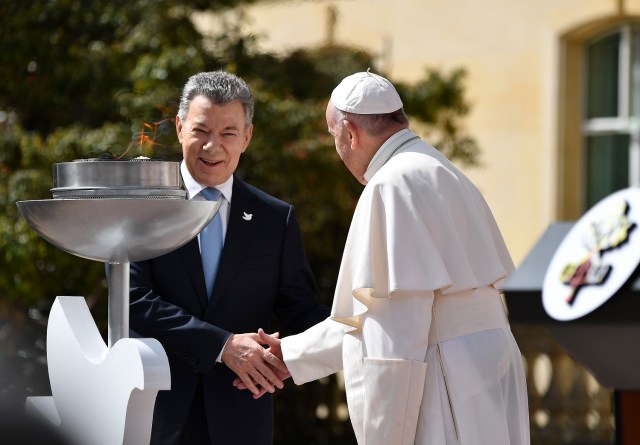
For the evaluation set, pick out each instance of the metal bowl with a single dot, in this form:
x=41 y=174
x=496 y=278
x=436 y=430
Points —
x=118 y=230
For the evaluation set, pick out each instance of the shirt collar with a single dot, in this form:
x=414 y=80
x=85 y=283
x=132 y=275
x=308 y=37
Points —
x=387 y=151
x=194 y=188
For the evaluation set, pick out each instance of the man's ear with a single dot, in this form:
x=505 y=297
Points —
x=354 y=133
x=247 y=137
x=179 y=129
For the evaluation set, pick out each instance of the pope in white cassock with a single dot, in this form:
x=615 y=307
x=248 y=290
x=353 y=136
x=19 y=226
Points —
x=418 y=324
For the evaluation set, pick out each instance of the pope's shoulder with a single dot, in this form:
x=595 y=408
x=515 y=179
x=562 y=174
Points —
x=418 y=160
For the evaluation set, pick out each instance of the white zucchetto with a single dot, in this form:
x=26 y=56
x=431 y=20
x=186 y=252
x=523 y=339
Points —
x=366 y=93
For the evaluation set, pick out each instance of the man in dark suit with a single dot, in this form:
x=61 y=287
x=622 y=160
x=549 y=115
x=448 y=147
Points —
x=262 y=272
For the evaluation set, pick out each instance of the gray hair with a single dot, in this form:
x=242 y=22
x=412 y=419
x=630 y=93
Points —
x=373 y=124
x=221 y=88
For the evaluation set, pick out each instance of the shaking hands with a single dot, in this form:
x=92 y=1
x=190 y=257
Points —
x=258 y=371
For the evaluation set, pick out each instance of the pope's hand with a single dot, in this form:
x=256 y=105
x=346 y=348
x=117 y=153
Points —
x=273 y=341
x=274 y=348
x=254 y=365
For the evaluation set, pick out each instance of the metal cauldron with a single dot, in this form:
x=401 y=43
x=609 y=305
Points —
x=118 y=211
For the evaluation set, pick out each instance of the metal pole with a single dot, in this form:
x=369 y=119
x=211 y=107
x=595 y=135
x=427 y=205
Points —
x=118 y=322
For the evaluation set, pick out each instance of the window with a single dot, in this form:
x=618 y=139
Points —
x=611 y=122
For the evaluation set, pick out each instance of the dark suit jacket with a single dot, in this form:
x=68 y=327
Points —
x=263 y=272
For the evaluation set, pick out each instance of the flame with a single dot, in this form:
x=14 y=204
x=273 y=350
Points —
x=146 y=137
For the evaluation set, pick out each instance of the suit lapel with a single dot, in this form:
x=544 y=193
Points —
x=190 y=254
x=239 y=235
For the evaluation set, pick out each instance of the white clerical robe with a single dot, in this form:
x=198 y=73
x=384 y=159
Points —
x=418 y=323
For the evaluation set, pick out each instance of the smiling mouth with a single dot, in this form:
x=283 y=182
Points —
x=210 y=163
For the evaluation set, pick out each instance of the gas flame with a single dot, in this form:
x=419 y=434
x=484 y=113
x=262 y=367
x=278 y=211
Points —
x=146 y=137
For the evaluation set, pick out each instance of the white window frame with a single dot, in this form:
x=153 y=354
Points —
x=624 y=123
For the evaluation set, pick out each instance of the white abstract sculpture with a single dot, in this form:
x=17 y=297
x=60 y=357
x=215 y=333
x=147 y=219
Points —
x=101 y=395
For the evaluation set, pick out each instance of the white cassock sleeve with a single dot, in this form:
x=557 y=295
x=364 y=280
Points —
x=314 y=353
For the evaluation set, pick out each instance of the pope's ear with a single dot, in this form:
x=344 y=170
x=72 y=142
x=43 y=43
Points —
x=354 y=132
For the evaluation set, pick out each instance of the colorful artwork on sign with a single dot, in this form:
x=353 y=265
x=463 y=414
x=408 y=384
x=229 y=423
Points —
x=595 y=259
x=609 y=233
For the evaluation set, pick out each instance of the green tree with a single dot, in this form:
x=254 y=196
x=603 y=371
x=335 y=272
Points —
x=82 y=78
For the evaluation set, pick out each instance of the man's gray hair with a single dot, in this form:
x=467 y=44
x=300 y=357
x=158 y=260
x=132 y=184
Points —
x=221 y=88
x=374 y=124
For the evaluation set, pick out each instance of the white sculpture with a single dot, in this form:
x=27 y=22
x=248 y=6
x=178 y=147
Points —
x=101 y=395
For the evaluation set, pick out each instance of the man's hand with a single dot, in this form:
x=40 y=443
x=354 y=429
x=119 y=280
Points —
x=253 y=364
x=274 y=348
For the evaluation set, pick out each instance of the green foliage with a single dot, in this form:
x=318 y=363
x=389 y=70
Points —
x=438 y=102
x=69 y=62
x=84 y=79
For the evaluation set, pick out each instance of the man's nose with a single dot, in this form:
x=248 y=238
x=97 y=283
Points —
x=210 y=143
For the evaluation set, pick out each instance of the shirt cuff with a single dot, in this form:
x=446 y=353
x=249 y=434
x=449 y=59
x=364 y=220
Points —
x=219 y=358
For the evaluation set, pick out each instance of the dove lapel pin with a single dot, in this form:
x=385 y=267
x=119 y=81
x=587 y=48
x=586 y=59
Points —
x=247 y=216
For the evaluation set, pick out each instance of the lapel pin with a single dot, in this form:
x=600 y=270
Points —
x=247 y=216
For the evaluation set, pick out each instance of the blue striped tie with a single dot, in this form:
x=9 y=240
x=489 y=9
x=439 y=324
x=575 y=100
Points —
x=211 y=242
